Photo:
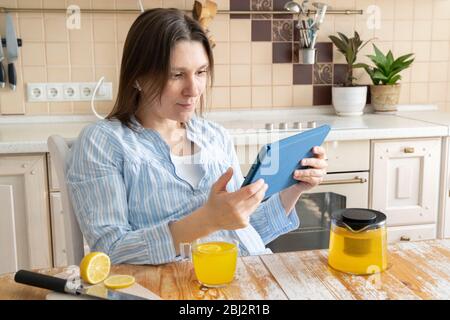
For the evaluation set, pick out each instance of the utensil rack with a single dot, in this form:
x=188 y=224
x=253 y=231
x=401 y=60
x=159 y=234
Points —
x=128 y=11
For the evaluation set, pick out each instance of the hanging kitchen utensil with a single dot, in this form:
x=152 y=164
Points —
x=292 y=6
x=204 y=14
x=2 y=69
x=320 y=13
x=11 y=51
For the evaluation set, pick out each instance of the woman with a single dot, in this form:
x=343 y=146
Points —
x=154 y=175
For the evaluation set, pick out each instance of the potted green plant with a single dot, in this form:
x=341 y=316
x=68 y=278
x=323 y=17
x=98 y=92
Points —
x=385 y=91
x=349 y=99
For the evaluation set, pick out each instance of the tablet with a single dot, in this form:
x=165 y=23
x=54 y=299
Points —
x=277 y=161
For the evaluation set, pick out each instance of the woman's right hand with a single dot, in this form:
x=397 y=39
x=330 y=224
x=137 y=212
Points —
x=232 y=210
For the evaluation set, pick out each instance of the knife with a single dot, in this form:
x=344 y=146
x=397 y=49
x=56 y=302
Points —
x=66 y=286
x=11 y=51
x=2 y=69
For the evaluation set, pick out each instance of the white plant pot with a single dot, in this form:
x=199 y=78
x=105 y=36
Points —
x=349 y=101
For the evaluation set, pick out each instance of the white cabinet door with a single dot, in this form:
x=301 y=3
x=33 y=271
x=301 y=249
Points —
x=25 y=220
x=58 y=235
x=405 y=180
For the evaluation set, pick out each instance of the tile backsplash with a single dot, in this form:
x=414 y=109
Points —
x=256 y=55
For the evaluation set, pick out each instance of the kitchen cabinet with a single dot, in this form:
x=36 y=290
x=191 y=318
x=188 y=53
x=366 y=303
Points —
x=405 y=178
x=24 y=221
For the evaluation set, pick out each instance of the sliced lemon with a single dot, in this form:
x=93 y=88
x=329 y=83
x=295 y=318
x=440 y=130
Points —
x=98 y=290
x=119 y=281
x=209 y=248
x=95 y=267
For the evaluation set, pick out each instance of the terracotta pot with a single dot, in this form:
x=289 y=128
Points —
x=385 y=97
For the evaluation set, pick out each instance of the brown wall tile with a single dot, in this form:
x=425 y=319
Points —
x=302 y=74
x=282 y=52
x=321 y=95
x=239 y=5
x=324 y=52
x=278 y=5
x=261 y=30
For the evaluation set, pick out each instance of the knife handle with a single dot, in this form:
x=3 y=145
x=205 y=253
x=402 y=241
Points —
x=40 y=280
x=12 y=76
x=2 y=75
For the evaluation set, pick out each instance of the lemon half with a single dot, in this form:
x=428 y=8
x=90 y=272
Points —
x=95 y=267
x=119 y=281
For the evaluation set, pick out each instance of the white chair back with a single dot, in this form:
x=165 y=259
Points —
x=59 y=150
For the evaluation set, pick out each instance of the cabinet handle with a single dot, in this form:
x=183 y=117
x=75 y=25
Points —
x=344 y=181
x=404 y=238
x=33 y=172
x=408 y=150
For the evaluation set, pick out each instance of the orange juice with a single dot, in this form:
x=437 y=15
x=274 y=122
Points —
x=214 y=262
x=358 y=253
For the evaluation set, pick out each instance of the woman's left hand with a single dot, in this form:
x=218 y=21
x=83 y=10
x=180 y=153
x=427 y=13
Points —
x=311 y=177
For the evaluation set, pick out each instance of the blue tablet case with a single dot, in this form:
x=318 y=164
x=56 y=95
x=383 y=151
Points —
x=277 y=161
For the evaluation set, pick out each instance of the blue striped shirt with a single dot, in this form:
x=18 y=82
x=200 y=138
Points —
x=125 y=191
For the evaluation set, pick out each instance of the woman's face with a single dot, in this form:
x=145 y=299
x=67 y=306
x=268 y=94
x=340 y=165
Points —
x=187 y=81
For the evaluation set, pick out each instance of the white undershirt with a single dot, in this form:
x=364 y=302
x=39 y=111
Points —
x=188 y=168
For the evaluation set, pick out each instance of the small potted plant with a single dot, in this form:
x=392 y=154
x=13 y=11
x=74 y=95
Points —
x=349 y=99
x=385 y=91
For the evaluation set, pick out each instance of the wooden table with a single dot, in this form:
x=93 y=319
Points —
x=417 y=270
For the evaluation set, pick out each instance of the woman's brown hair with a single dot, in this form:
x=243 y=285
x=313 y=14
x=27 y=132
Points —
x=146 y=55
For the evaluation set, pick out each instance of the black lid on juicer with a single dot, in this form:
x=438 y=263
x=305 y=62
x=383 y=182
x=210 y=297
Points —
x=359 y=218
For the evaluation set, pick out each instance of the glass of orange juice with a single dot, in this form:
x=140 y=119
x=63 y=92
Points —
x=214 y=260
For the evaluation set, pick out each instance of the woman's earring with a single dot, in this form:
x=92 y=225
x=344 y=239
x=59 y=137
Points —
x=137 y=86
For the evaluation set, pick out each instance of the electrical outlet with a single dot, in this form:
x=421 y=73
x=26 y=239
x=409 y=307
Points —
x=86 y=90
x=54 y=92
x=71 y=91
x=36 y=92
x=68 y=91
x=104 y=92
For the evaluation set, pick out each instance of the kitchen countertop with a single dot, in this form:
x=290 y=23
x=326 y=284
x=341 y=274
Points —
x=435 y=117
x=368 y=126
x=416 y=270
x=29 y=134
